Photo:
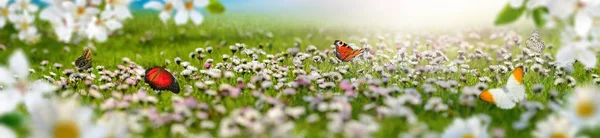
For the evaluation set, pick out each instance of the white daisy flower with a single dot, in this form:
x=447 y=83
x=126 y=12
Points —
x=20 y=89
x=576 y=47
x=186 y=11
x=25 y=6
x=165 y=10
x=583 y=108
x=584 y=11
x=63 y=119
x=555 y=126
x=24 y=24
x=4 y=13
x=121 y=7
x=473 y=127
x=99 y=28
x=116 y=124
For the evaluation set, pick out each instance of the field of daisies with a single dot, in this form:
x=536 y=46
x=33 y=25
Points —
x=255 y=76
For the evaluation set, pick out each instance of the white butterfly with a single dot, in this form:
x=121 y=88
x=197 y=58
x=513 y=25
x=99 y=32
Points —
x=507 y=97
x=535 y=42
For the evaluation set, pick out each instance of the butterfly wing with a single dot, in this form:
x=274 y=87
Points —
x=535 y=43
x=499 y=97
x=514 y=85
x=84 y=61
x=160 y=79
x=345 y=52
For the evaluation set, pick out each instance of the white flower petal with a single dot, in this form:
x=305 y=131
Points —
x=2 y=22
x=32 y=8
x=202 y=3
x=587 y=58
x=113 y=25
x=6 y=77
x=561 y=8
x=532 y=4
x=583 y=24
x=41 y=86
x=181 y=17
x=196 y=17
x=155 y=5
x=19 y=64
x=565 y=55
x=6 y=132
x=64 y=33
x=51 y=14
x=123 y=12
x=92 y=11
x=9 y=99
x=164 y=16
x=3 y=3
x=515 y=3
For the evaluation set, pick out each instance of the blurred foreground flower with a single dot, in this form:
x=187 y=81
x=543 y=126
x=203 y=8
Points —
x=583 y=106
x=555 y=126
x=576 y=47
x=20 y=89
x=64 y=119
x=473 y=127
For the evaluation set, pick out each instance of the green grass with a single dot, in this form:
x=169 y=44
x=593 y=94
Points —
x=179 y=41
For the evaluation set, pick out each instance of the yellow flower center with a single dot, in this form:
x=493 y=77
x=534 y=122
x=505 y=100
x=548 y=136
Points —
x=579 y=5
x=66 y=129
x=24 y=25
x=24 y=5
x=189 y=5
x=80 y=10
x=111 y=2
x=577 y=38
x=585 y=108
x=468 y=136
x=168 y=7
x=99 y=22
x=558 y=135
x=4 y=12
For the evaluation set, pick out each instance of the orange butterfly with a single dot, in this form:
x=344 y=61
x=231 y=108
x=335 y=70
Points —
x=345 y=52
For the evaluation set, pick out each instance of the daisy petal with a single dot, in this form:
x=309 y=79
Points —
x=565 y=55
x=587 y=58
x=6 y=77
x=196 y=17
x=164 y=16
x=9 y=99
x=516 y=3
x=200 y=3
x=6 y=132
x=19 y=64
x=41 y=87
x=181 y=17
x=583 y=24
x=2 y=22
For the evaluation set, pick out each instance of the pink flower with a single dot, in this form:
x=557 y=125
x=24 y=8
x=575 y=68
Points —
x=207 y=65
x=345 y=85
x=235 y=92
x=191 y=102
x=351 y=93
x=289 y=91
x=131 y=81
x=108 y=104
